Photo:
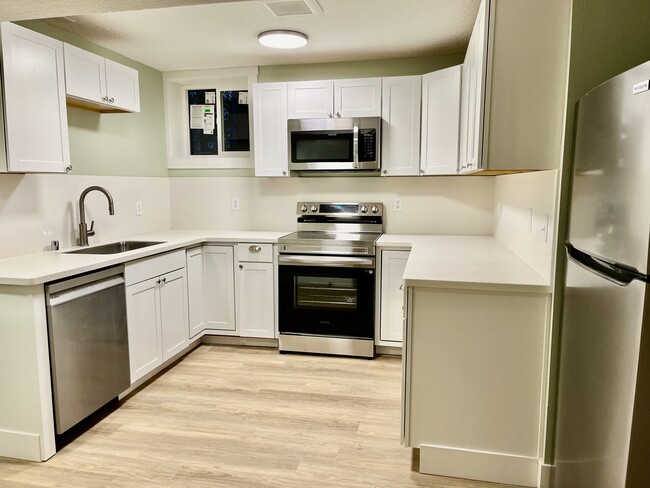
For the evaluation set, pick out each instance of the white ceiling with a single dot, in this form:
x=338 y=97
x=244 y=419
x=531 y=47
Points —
x=224 y=34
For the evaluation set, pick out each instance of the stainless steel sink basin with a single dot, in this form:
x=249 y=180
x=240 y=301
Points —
x=115 y=247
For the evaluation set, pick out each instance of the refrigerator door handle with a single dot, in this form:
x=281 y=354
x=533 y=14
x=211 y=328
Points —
x=617 y=273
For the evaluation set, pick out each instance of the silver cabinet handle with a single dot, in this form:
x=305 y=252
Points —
x=254 y=248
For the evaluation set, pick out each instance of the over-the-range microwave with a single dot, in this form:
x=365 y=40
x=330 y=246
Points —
x=348 y=144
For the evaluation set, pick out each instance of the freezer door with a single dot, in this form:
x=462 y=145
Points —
x=610 y=202
x=599 y=354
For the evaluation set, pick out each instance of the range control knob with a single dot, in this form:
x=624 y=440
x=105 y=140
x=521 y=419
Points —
x=314 y=208
x=303 y=208
x=364 y=209
x=374 y=209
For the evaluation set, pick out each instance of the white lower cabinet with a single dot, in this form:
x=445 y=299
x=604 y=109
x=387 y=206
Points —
x=156 y=303
x=473 y=376
x=391 y=323
x=256 y=291
x=219 y=289
x=195 y=290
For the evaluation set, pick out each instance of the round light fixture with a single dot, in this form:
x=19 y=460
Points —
x=282 y=39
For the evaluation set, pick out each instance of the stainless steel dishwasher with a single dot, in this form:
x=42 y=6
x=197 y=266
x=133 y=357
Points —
x=89 y=350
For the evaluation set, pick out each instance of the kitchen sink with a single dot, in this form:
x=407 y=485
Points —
x=115 y=247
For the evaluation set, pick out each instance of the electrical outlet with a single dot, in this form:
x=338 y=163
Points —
x=397 y=205
x=234 y=204
x=138 y=208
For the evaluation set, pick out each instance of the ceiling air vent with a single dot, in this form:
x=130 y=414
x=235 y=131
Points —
x=286 y=8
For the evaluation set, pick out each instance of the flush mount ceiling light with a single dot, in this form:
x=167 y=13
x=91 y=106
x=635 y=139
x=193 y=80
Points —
x=282 y=39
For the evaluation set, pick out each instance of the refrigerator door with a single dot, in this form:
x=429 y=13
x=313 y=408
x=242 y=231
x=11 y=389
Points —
x=605 y=292
x=610 y=200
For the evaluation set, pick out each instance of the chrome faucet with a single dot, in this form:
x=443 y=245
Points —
x=84 y=232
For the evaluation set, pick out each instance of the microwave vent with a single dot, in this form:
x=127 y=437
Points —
x=287 y=8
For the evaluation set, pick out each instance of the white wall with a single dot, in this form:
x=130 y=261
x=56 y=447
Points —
x=515 y=197
x=34 y=209
x=431 y=205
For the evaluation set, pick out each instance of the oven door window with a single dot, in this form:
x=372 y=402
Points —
x=325 y=292
x=322 y=147
x=334 y=302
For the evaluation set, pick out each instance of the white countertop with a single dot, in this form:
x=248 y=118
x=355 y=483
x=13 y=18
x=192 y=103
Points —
x=467 y=262
x=38 y=268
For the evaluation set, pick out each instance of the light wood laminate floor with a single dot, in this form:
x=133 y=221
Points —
x=246 y=417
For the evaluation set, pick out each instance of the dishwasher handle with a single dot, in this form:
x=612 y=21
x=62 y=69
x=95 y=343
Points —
x=83 y=291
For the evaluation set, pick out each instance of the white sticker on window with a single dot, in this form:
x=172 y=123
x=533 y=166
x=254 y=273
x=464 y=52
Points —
x=196 y=116
x=210 y=98
x=243 y=98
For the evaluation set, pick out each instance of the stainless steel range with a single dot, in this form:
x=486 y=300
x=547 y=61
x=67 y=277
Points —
x=327 y=279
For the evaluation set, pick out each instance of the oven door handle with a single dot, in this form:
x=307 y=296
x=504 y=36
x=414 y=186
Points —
x=329 y=261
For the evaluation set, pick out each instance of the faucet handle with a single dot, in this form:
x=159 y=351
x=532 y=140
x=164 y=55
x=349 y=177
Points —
x=91 y=231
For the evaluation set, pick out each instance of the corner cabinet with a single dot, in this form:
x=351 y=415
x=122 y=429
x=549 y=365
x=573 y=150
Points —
x=33 y=85
x=156 y=305
x=359 y=97
x=514 y=86
x=99 y=84
x=271 y=143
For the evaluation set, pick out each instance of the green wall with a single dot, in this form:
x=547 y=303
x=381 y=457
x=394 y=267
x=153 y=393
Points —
x=607 y=38
x=116 y=144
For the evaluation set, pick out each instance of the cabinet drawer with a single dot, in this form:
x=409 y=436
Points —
x=156 y=266
x=262 y=253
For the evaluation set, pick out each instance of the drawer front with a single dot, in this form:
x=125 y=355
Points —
x=155 y=266
x=261 y=253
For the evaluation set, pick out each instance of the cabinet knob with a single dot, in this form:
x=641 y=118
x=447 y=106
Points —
x=105 y=98
x=164 y=280
x=384 y=171
x=338 y=115
x=284 y=173
x=111 y=100
x=158 y=281
x=68 y=169
x=421 y=171
x=401 y=287
x=329 y=114
x=241 y=266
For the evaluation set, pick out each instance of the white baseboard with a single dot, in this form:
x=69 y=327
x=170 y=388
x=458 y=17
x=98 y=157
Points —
x=20 y=445
x=479 y=465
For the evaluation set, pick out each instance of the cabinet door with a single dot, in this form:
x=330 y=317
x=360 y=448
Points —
x=400 y=108
x=474 y=89
x=392 y=296
x=173 y=313
x=440 y=121
x=256 y=300
x=36 y=120
x=195 y=296
x=310 y=99
x=85 y=74
x=122 y=86
x=219 y=288
x=271 y=140
x=357 y=98
x=143 y=314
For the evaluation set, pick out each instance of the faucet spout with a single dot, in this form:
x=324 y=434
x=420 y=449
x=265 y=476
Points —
x=83 y=227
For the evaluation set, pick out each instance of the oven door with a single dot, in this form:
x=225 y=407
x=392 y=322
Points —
x=330 y=296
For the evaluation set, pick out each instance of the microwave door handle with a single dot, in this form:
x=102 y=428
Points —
x=355 y=145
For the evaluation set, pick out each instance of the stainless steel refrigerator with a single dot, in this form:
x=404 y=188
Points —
x=603 y=410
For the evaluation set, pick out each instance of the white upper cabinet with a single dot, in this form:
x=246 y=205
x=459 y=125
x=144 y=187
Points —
x=440 y=121
x=514 y=86
x=36 y=121
x=97 y=83
x=270 y=125
x=400 y=109
x=332 y=99
x=357 y=98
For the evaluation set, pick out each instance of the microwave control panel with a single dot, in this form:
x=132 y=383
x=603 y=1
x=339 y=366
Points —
x=367 y=144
